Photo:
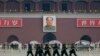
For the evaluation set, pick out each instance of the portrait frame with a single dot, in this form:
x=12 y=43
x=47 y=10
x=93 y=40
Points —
x=53 y=27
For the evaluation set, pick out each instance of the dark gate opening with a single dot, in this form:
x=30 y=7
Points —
x=86 y=38
x=48 y=37
x=12 y=38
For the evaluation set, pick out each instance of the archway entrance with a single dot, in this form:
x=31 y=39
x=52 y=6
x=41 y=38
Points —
x=86 y=37
x=48 y=37
x=12 y=38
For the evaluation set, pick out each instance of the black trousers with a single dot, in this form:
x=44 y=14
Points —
x=73 y=52
x=47 y=52
x=30 y=52
x=64 y=52
x=38 y=53
x=56 y=52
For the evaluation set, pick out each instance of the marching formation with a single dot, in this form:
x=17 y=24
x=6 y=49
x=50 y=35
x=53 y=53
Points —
x=51 y=50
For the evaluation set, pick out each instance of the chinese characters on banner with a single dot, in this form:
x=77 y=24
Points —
x=88 y=22
x=12 y=22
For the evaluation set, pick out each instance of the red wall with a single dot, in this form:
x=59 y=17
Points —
x=67 y=31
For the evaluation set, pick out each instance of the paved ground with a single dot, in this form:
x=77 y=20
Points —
x=24 y=52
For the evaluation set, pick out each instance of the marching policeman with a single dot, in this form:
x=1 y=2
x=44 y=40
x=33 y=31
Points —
x=38 y=50
x=63 y=51
x=72 y=50
x=47 y=50
x=55 y=50
x=29 y=50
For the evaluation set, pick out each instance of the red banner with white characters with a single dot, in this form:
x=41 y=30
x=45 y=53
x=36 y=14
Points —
x=88 y=22
x=12 y=22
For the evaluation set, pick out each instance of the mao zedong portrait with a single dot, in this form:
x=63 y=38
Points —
x=49 y=27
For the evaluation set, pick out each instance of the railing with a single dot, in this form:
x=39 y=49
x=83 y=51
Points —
x=52 y=11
